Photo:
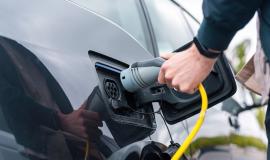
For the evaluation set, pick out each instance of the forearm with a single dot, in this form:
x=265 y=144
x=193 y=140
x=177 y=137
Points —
x=222 y=19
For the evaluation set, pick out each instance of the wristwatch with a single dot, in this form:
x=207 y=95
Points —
x=205 y=51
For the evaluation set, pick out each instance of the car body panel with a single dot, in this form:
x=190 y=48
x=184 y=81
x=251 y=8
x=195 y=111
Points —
x=60 y=33
x=62 y=40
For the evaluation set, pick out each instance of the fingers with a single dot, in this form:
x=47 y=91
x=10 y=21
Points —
x=92 y=124
x=91 y=115
x=167 y=74
x=176 y=84
x=162 y=77
x=188 y=91
x=81 y=123
x=91 y=129
x=171 y=75
x=168 y=79
x=185 y=70
x=81 y=132
x=183 y=87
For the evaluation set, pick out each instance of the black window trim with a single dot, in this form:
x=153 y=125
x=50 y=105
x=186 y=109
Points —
x=146 y=29
x=150 y=28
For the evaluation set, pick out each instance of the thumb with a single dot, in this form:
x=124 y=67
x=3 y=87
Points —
x=166 y=55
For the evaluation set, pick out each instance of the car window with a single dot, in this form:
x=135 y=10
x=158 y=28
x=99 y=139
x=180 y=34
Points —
x=194 y=25
x=126 y=13
x=170 y=28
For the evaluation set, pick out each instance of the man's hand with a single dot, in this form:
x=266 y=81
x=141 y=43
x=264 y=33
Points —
x=82 y=123
x=185 y=70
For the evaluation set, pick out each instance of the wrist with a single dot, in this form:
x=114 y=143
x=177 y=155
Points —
x=206 y=52
x=201 y=58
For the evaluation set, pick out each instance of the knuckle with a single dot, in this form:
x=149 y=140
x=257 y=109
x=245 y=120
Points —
x=164 y=67
x=160 y=80
x=168 y=77
x=185 y=88
x=175 y=83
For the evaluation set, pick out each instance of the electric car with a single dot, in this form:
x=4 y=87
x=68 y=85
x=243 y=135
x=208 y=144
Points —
x=85 y=44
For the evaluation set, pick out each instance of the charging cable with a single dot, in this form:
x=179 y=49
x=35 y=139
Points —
x=182 y=149
x=86 y=151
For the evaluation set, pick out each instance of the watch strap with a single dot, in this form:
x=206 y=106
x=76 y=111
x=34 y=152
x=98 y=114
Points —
x=204 y=51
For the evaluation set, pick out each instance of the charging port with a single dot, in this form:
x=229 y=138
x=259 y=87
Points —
x=111 y=89
x=120 y=105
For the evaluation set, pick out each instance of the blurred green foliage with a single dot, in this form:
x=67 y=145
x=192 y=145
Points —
x=240 y=50
x=239 y=140
x=260 y=116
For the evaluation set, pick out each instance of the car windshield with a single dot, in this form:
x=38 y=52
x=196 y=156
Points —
x=127 y=14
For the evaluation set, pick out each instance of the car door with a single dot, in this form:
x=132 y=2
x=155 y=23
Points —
x=170 y=33
x=166 y=15
x=60 y=35
x=85 y=45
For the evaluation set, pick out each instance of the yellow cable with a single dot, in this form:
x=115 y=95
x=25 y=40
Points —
x=179 y=153
x=86 y=151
